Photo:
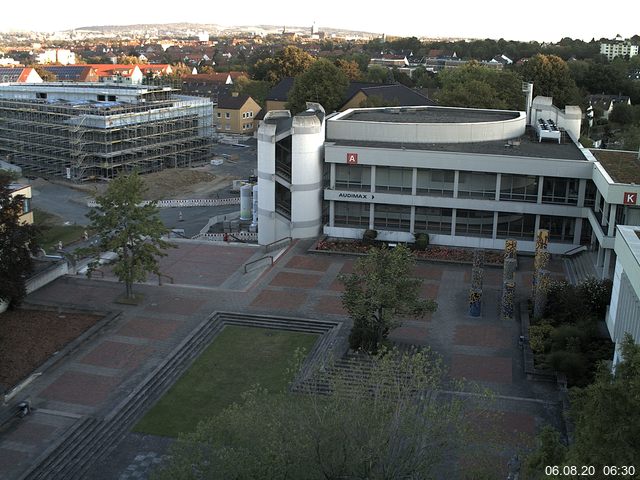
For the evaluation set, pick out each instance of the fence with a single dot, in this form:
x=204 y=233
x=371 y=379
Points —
x=230 y=237
x=198 y=202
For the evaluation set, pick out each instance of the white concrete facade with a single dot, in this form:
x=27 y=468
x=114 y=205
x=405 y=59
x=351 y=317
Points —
x=623 y=315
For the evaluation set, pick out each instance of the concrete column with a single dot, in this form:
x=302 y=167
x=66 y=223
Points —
x=373 y=179
x=414 y=183
x=456 y=180
x=606 y=264
x=372 y=213
x=582 y=190
x=596 y=206
x=612 y=220
x=537 y=224
x=332 y=212
x=540 y=186
x=453 y=221
x=332 y=177
x=599 y=257
x=412 y=218
x=498 y=183
x=577 y=231
x=494 y=233
x=605 y=214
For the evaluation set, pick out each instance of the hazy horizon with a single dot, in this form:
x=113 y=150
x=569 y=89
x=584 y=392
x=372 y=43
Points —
x=491 y=19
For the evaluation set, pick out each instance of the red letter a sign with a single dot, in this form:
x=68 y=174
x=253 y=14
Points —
x=352 y=158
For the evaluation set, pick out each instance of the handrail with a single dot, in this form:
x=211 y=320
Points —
x=160 y=275
x=579 y=248
x=268 y=247
x=256 y=261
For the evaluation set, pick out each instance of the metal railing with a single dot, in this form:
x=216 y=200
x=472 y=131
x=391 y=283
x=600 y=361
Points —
x=579 y=248
x=266 y=257
x=270 y=247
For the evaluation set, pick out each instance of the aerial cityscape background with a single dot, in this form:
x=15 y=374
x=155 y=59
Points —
x=490 y=19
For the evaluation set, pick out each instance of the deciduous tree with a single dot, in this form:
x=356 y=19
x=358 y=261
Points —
x=18 y=242
x=323 y=83
x=383 y=423
x=551 y=77
x=381 y=288
x=289 y=62
x=128 y=226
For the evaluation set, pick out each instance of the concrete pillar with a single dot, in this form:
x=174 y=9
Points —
x=508 y=274
x=596 y=206
x=605 y=214
x=498 y=183
x=540 y=188
x=414 y=182
x=332 y=176
x=582 y=190
x=600 y=256
x=494 y=232
x=577 y=232
x=456 y=180
x=373 y=179
x=372 y=214
x=412 y=219
x=453 y=222
x=332 y=213
x=606 y=267
x=612 y=220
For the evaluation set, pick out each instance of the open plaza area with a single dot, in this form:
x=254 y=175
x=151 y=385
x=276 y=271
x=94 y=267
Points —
x=97 y=393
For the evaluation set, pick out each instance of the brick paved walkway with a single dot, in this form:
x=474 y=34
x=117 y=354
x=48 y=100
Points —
x=105 y=369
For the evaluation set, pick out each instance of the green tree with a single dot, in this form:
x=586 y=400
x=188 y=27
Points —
x=45 y=74
x=127 y=225
x=606 y=415
x=378 y=74
x=323 y=83
x=289 y=62
x=350 y=68
x=476 y=86
x=372 y=426
x=551 y=77
x=622 y=114
x=381 y=289
x=18 y=242
x=256 y=89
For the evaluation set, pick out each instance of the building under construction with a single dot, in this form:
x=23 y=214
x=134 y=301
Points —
x=95 y=131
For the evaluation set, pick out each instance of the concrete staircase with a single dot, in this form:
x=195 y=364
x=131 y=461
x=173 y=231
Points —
x=91 y=438
x=579 y=267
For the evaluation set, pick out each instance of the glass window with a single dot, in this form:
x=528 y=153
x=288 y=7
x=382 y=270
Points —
x=519 y=188
x=560 y=190
x=435 y=182
x=351 y=214
x=474 y=223
x=353 y=177
x=560 y=228
x=392 y=217
x=590 y=194
x=393 y=179
x=516 y=225
x=477 y=185
x=227 y=115
x=433 y=220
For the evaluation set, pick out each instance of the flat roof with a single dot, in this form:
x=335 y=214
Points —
x=429 y=114
x=528 y=147
x=622 y=166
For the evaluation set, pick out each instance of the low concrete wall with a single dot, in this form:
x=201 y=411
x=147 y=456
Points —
x=48 y=275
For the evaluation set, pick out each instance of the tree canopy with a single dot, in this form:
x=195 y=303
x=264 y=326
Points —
x=128 y=226
x=551 y=77
x=323 y=83
x=606 y=415
x=381 y=288
x=380 y=424
x=18 y=242
x=289 y=62
x=477 y=86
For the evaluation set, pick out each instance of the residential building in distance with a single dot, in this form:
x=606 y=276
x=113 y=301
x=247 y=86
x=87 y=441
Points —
x=16 y=189
x=19 y=75
x=95 y=131
x=73 y=73
x=376 y=94
x=607 y=102
x=211 y=85
x=618 y=48
x=236 y=114
x=57 y=55
x=278 y=96
x=118 y=73
x=467 y=177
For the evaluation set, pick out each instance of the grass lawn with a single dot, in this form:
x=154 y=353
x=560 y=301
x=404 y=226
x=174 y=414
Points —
x=53 y=232
x=237 y=359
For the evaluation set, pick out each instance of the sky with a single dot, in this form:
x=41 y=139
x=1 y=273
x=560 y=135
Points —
x=547 y=21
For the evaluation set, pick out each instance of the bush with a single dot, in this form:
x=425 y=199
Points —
x=572 y=364
x=569 y=337
x=539 y=336
x=422 y=241
x=369 y=236
x=595 y=295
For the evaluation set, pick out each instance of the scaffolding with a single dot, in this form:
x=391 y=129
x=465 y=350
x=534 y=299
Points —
x=84 y=140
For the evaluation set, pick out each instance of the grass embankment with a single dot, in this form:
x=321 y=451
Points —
x=53 y=232
x=237 y=359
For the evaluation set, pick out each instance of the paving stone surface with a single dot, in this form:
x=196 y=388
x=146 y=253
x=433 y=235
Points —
x=482 y=368
x=279 y=300
x=153 y=328
x=295 y=280
x=330 y=304
x=309 y=262
x=482 y=336
x=117 y=355
x=80 y=387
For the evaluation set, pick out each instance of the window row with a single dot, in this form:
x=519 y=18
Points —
x=481 y=185
x=468 y=223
